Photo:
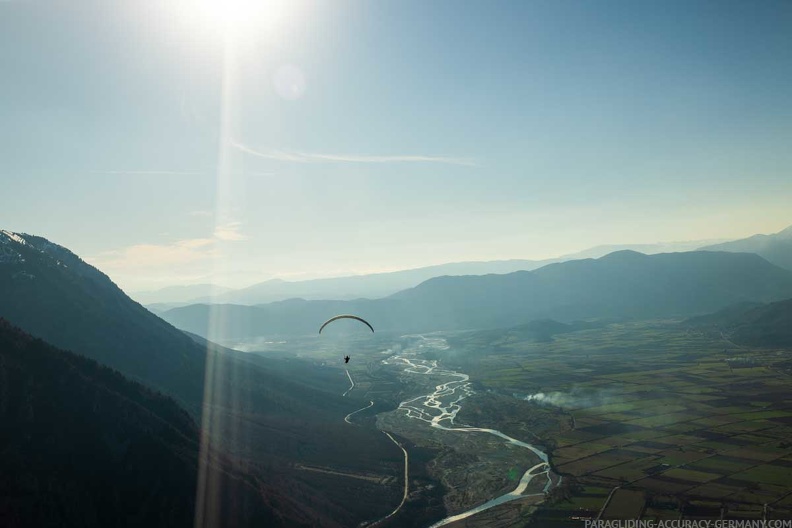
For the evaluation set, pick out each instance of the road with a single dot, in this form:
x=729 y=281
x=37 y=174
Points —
x=352 y=383
x=406 y=483
x=348 y=416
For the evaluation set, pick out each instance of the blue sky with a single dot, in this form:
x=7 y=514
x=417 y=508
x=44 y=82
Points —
x=355 y=136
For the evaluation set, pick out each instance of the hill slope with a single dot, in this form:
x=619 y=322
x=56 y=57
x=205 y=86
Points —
x=83 y=446
x=51 y=293
x=624 y=284
x=271 y=416
x=775 y=248
x=763 y=325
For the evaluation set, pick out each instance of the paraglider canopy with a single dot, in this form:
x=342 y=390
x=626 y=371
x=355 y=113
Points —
x=345 y=316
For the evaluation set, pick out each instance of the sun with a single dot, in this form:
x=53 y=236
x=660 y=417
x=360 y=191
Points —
x=235 y=18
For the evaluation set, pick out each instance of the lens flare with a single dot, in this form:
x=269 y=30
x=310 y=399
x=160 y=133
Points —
x=289 y=82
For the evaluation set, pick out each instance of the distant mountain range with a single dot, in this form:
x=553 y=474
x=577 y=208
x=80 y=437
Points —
x=81 y=446
x=52 y=294
x=179 y=294
x=622 y=285
x=371 y=286
x=646 y=249
x=752 y=324
x=775 y=248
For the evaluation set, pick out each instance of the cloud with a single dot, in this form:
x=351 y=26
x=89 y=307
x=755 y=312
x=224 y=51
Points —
x=304 y=157
x=152 y=256
x=194 y=243
x=145 y=266
x=202 y=213
x=229 y=232
x=146 y=172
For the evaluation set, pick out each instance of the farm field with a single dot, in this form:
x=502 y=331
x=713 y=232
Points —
x=663 y=422
x=642 y=420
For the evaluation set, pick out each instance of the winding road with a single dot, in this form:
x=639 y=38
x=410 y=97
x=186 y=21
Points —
x=406 y=457
x=406 y=482
x=352 y=383
x=348 y=416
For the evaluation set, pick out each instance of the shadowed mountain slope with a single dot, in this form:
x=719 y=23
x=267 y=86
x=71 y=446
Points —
x=271 y=415
x=764 y=325
x=80 y=445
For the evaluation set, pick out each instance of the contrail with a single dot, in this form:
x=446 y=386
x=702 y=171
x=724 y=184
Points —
x=307 y=157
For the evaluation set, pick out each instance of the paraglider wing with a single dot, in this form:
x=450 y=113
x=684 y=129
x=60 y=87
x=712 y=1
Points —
x=346 y=316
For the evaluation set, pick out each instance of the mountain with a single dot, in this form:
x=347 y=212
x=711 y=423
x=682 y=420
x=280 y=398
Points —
x=775 y=248
x=766 y=326
x=51 y=293
x=369 y=286
x=268 y=412
x=752 y=324
x=646 y=249
x=726 y=317
x=622 y=285
x=375 y=285
x=82 y=446
x=178 y=294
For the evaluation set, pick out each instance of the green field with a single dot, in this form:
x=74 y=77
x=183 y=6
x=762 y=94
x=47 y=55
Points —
x=649 y=408
x=658 y=411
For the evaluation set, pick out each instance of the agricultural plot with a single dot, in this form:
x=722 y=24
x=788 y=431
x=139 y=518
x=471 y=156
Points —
x=625 y=504
x=660 y=412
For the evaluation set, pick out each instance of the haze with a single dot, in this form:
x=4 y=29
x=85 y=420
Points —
x=395 y=263
x=361 y=137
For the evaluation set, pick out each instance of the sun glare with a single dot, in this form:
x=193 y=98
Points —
x=243 y=17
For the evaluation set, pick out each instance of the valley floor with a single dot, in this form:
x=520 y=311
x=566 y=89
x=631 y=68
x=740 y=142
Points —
x=641 y=420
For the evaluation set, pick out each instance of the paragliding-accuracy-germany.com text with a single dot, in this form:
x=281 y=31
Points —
x=689 y=523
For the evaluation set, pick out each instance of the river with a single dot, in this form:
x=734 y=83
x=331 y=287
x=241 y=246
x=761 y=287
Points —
x=440 y=408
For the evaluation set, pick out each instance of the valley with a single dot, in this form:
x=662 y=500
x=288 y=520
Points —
x=647 y=419
x=525 y=420
x=408 y=264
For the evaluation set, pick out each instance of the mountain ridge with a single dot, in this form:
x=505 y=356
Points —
x=378 y=285
x=752 y=324
x=775 y=248
x=621 y=285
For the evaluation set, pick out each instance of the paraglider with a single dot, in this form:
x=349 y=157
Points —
x=345 y=316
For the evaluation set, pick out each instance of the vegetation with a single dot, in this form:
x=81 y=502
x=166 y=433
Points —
x=269 y=414
x=658 y=411
x=83 y=446
x=751 y=324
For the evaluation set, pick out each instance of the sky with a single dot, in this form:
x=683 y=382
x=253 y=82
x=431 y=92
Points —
x=198 y=141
